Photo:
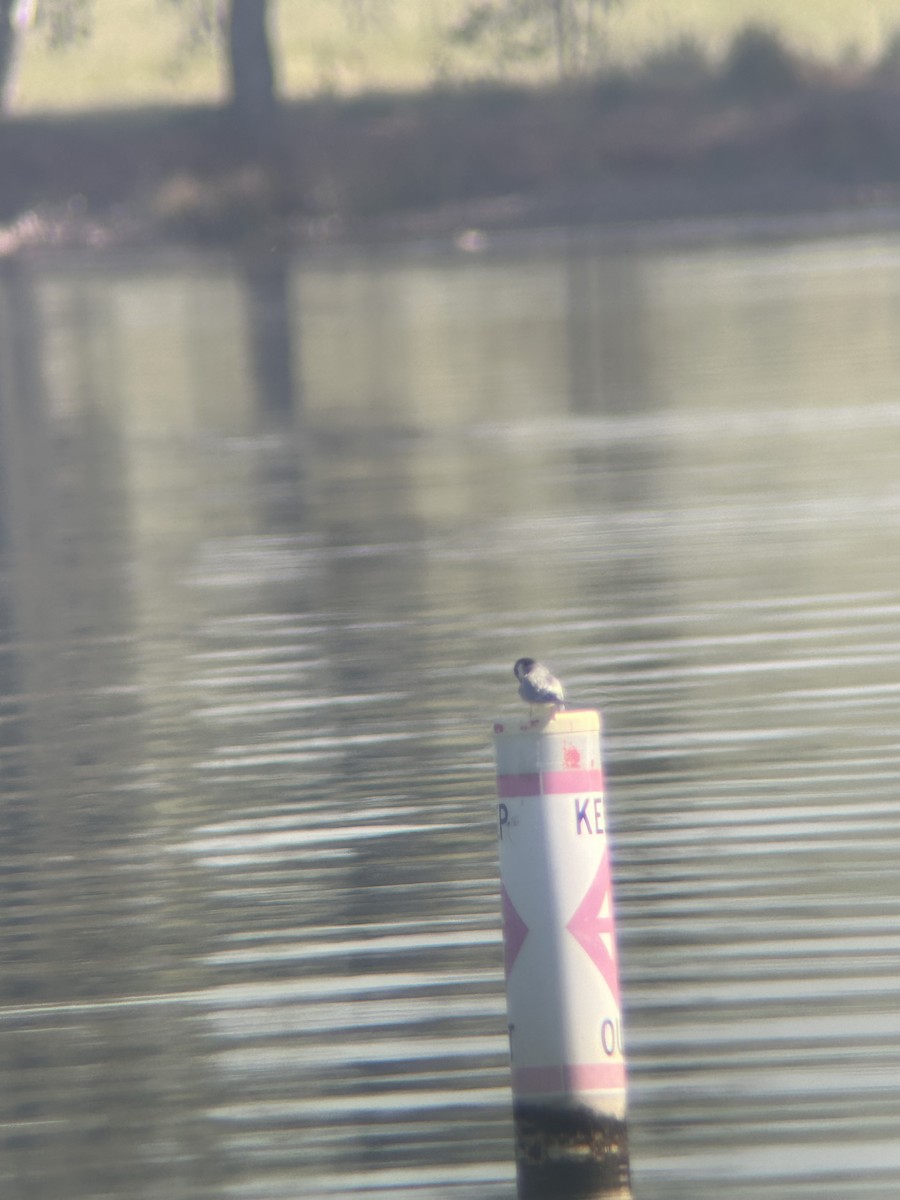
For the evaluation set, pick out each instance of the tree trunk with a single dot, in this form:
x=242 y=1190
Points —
x=252 y=71
x=15 y=17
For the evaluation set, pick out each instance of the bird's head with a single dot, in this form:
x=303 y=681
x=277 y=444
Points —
x=522 y=667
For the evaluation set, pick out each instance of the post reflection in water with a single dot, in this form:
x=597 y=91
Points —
x=271 y=537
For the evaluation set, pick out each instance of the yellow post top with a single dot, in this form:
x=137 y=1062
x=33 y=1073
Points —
x=579 y=720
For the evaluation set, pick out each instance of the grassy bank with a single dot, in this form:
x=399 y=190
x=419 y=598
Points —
x=683 y=135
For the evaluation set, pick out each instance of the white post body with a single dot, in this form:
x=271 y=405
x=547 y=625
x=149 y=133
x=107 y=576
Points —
x=562 y=980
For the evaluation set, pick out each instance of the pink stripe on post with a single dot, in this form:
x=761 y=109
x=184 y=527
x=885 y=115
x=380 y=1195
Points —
x=518 y=785
x=596 y=1077
x=580 y=1077
x=568 y=783
x=550 y=783
x=537 y=1080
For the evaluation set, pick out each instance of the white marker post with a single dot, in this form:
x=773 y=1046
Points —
x=562 y=979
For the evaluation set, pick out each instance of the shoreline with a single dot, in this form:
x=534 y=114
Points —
x=474 y=228
x=463 y=170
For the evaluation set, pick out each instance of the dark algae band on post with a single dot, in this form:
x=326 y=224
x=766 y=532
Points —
x=572 y=1154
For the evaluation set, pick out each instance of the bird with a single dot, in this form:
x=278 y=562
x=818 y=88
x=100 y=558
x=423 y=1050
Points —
x=537 y=685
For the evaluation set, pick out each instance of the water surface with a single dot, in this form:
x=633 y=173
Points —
x=271 y=537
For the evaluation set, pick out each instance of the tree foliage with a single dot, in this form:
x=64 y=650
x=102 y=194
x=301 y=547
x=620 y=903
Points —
x=64 y=21
x=570 y=32
x=202 y=21
x=238 y=27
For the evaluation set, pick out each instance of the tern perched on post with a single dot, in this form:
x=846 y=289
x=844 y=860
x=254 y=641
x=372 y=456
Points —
x=537 y=685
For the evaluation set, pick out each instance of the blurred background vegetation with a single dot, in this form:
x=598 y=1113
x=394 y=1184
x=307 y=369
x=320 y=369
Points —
x=103 y=53
x=219 y=116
